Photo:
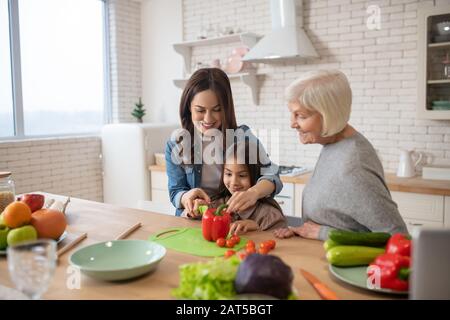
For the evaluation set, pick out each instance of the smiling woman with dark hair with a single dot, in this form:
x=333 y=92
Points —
x=206 y=107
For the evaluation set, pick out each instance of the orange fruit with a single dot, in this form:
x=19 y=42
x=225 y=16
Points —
x=49 y=224
x=17 y=214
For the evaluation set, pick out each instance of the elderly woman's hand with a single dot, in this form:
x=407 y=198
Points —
x=308 y=230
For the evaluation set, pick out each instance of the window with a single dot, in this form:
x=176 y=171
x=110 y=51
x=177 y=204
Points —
x=62 y=66
x=6 y=99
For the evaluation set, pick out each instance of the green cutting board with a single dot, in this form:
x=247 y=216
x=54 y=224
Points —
x=190 y=240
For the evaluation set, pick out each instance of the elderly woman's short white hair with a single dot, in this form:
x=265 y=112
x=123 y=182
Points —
x=327 y=92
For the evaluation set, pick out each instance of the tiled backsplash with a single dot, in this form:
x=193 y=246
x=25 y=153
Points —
x=380 y=64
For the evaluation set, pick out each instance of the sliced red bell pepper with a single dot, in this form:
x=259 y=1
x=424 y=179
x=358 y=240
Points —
x=394 y=271
x=399 y=244
x=216 y=223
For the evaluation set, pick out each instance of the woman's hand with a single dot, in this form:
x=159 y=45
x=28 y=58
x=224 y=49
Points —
x=308 y=230
x=188 y=200
x=195 y=214
x=242 y=200
x=243 y=226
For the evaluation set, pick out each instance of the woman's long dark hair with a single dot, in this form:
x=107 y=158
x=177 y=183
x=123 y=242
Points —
x=207 y=79
x=241 y=151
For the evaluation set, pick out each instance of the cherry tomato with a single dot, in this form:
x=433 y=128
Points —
x=272 y=244
x=242 y=255
x=236 y=238
x=250 y=250
x=221 y=242
x=263 y=250
x=229 y=253
x=250 y=244
x=264 y=245
x=230 y=243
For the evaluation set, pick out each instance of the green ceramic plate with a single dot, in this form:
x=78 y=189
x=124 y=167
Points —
x=357 y=277
x=118 y=259
x=63 y=236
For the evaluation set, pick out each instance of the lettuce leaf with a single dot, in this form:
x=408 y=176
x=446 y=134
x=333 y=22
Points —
x=212 y=280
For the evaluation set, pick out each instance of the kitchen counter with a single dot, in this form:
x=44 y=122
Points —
x=414 y=185
x=104 y=222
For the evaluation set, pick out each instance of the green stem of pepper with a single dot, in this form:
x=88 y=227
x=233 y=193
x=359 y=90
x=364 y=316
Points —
x=219 y=209
x=404 y=273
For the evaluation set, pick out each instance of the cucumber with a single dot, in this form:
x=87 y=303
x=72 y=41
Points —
x=370 y=239
x=327 y=245
x=349 y=256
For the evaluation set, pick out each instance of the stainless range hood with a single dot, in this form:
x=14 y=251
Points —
x=287 y=40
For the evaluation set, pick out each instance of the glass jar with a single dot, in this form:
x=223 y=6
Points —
x=7 y=190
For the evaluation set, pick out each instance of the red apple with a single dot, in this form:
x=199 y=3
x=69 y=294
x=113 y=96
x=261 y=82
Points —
x=33 y=200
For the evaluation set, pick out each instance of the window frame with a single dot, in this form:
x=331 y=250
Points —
x=16 y=76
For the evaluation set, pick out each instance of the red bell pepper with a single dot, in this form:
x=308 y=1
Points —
x=399 y=244
x=393 y=271
x=216 y=223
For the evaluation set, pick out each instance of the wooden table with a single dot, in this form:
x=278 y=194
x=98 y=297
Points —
x=104 y=222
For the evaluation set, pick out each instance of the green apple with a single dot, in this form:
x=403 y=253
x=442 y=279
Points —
x=3 y=236
x=18 y=235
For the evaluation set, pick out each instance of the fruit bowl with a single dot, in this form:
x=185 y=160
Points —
x=118 y=259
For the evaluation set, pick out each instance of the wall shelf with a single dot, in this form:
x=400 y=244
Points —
x=185 y=48
x=248 y=78
x=439 y=45
x=438 y=81
x=248 y=39
x=430 y=55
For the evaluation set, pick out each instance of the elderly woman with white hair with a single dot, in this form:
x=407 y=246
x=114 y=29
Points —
x=347 y=189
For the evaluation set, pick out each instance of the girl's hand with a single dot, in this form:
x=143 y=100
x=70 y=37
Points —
x=187 y=200
x=243 y=226
x=242 y=200
x=308 y=230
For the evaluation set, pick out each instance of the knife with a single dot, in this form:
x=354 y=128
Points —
x=324 y=292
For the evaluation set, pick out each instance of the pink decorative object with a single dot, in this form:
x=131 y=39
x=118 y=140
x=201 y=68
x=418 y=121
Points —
x=234 y=64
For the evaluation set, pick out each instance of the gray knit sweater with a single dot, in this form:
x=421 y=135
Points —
x=347 y=190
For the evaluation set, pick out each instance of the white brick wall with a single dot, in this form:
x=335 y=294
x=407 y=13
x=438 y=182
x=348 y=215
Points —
x=125 y=43
x=69 y=166
x=380 y=64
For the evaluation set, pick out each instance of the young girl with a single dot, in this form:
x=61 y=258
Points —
x=240 y=174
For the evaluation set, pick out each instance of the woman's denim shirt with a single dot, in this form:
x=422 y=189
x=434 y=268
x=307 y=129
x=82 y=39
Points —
x=182 y=178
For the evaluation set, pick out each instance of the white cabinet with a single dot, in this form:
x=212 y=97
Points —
x=420 y=210
x=447 y=212
x=286 y=199
x=433 y=84
x=160 y=192
x=298 y=191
